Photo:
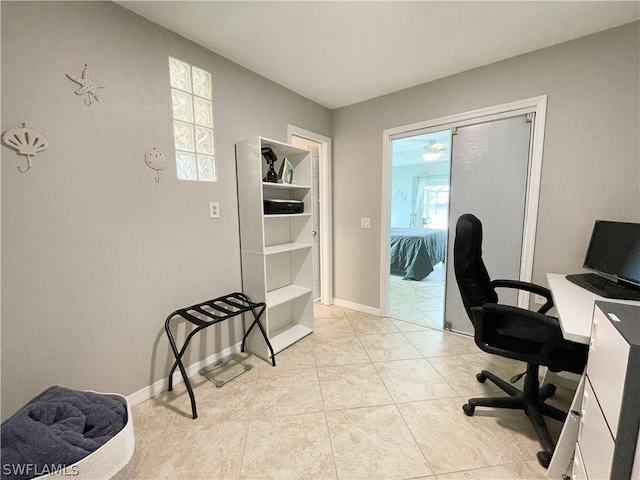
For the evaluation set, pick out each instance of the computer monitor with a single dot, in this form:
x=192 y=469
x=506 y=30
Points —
x=614 y=251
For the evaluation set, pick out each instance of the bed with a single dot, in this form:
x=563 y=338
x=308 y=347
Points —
x=414 y=252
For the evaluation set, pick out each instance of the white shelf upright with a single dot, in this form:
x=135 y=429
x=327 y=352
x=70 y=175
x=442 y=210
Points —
x=276 y=249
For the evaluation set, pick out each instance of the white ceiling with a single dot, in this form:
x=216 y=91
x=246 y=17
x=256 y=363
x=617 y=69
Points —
x=339 y=53
x=409 y=150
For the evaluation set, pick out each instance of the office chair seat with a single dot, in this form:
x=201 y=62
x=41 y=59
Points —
x=512 y=332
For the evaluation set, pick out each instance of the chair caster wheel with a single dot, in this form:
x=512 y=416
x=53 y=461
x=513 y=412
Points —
x=468 y=409
x=544 y=458
x=481 y=378
x=548 y=391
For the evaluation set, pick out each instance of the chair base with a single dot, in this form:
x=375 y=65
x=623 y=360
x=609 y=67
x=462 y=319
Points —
x=530 y=399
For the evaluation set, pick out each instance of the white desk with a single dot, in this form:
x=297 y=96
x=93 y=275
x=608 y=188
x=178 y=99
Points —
x=575 y=307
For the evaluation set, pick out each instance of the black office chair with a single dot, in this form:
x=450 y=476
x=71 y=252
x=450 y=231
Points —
x=531 y=337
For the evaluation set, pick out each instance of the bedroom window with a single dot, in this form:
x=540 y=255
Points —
x=436 y=206
x=192 y=122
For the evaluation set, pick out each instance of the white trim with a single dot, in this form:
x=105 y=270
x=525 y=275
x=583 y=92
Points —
x=466 y=118
x=161 y=385
x=533 y=198
x=385 y=224
x=537 y=105
x=358 y=307
x=326 y=220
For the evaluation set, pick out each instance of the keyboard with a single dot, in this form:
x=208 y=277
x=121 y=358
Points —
x=604 y=287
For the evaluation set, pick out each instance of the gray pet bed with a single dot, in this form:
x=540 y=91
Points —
x=67 y=432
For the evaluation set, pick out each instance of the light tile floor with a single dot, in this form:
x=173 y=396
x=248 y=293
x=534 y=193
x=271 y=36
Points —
x=418 y=302
x=360 y=398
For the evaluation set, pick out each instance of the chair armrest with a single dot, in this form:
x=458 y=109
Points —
x=492 y=320
x=528 y=287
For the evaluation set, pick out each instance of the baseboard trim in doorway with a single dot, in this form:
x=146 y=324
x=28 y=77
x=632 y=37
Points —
x=357 y=307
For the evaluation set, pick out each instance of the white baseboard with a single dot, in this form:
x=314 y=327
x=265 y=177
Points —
x=357 y=307
x=161 y=385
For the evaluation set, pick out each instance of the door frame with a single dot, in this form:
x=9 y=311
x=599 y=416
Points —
x=536 y=105
x=325 y=217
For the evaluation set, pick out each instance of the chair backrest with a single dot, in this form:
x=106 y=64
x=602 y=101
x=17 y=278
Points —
x=471 y=274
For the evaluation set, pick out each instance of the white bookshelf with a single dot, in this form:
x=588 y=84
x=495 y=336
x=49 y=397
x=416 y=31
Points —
x=285 y=247
x=276 y=249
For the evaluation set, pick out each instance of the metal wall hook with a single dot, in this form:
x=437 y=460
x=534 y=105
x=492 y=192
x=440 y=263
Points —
x=28 y=165
x=156 y=161
x=26 y=142
x=88 y=86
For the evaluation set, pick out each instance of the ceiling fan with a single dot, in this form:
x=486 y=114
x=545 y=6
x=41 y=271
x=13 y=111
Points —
x=420 y=150
x=432 y=151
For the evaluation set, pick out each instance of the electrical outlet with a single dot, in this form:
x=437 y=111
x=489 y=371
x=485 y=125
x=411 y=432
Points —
x=214 y=210
x=365 y=223
x=539 y=300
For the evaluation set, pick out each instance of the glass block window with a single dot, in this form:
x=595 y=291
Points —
x=192 y=122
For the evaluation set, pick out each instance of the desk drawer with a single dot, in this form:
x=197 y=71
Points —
x=578 y=472
x=594 y=439
x=607 y=366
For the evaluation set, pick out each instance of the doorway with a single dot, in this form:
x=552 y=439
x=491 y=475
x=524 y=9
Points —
x=419 y=216
x=320 y=147
x=532 y=113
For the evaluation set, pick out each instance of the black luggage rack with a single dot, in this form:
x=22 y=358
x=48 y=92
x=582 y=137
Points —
x=218 y=310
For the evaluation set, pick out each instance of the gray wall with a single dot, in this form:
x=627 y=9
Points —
x=591 y=163
x=95 y=253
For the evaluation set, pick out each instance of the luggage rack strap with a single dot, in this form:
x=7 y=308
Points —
x=224 y=308
x=219 y=313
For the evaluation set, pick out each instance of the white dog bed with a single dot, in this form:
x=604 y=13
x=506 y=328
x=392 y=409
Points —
x=53 y=426
x=109 y=459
